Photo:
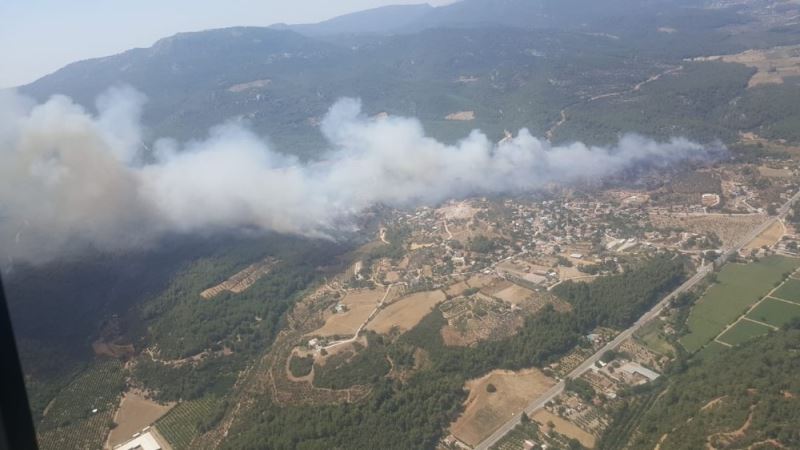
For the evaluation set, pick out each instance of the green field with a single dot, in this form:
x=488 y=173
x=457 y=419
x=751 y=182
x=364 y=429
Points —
x=743 y=331
x=775 y=312
x=182 y=423
x=789 y=291
x=738 y=287
x=711 y=349
x=654 y=338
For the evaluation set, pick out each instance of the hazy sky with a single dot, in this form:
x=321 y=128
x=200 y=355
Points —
x=40 y=36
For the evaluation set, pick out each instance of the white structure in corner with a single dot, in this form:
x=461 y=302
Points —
x=144 y=441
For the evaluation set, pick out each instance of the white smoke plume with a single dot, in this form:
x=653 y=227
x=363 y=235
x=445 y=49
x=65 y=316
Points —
x=70 y=179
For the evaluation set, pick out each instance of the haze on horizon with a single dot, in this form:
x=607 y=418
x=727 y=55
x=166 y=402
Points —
x=38 y=37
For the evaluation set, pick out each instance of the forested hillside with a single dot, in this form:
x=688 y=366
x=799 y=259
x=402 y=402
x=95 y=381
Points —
x=743 y=397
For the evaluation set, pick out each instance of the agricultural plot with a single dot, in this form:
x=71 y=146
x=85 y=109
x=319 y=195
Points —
x=654 y=338
x=768 y=237
x=485 y=411
x=789 y=291
x=743 y=331
x=79 y=416
x=738 y=287
x=565 y=427
x=405 y=313
x=181 y=425
x=775 y=312
x=135 y=412
x=358 y=305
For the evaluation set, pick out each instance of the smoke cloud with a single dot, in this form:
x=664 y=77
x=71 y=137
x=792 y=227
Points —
x=70 y=179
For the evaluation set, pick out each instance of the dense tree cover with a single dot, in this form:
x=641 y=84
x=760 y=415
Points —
x=758 y=377
x=301 y=366
x=182 y=324
x=414 y=413
x=344 y=369
x=617 y=301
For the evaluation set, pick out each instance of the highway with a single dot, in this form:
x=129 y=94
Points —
x=704 y=270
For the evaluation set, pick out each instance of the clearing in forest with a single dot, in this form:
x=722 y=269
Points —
x=406 y=312
x=242 y=280
x=738 y=287
x=135 y=412
x=358 y=305
x=486 y=411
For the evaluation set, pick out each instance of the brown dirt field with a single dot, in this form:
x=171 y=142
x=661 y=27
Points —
x=514 y=294
x=769 y=237
x=481 y=280
x=565 y=427
x=406 y=312
x=257 y=84
x=484 y=412
x=461 y=115
x=729 y=228
x=359 y=303
x=774 y=173
x=455 y=290
x=135 y=412
x=773 y=65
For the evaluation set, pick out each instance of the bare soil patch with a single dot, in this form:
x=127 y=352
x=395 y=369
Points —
x=730 y=228
x=256 y=84
x=484 y=412
x=461 y=116
x=135 y=412
x=406 y=312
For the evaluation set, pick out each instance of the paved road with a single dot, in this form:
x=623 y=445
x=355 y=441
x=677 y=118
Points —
x=553 y=392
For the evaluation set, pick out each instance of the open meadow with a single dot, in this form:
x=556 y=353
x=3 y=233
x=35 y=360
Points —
x=406 y=312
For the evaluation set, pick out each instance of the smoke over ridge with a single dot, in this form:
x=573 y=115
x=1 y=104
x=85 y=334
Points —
x=70 y=179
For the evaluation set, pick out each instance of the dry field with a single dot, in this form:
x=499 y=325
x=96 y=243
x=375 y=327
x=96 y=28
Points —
x=731 y=228
x=257 y=84
x=564 y=427
x=769 y=237
x=241 y=280
x=457 y=211
x=135 y=412
x=461 y=116
x=772 y=65
x=454 y=290
x=512 y=293
x=771 y=172
x=406 y=312
x=484 y=412
x=359 y=304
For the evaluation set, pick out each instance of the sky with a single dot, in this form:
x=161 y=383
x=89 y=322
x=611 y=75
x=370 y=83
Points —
x=38 y=37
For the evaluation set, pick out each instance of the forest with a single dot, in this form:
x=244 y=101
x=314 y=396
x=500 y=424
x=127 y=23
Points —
x=751 y=388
